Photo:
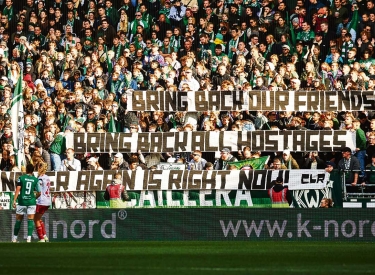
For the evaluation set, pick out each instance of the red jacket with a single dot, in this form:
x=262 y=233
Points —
x=280 y=194
x=114 y=191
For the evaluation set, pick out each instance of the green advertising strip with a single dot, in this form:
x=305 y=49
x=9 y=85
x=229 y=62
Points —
x=219 y=224
x=189 y=198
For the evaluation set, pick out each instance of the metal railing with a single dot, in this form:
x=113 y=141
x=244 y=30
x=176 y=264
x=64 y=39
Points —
x=365 y=190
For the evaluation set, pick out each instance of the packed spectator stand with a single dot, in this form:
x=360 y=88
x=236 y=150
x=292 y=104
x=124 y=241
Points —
x=79 y=59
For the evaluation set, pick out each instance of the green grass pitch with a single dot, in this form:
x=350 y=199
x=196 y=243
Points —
x=250 y=257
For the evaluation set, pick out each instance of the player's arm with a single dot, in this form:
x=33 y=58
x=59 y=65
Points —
x=38 y=190
x=18 y=190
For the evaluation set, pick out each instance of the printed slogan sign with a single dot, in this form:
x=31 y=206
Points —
x=177 y=180
x=254 y=100
x=271 y=141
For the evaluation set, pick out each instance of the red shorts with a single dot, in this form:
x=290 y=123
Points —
x=41 y=209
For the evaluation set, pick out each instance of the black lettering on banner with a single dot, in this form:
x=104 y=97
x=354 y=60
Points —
x=83 y=180
x=259 y=181
x=299 y=140
x=125 y=142
x=143 y=143
x=185 y=179
x=269 y=177
x=368 y=100
x=181 y=141
x=9 y=183
x=300 y=99
x=208 y=180
x=170 y=101
x=312 y=140
x=344 y=98
x=222 y=142
x=111 y=142
x=238 y=99
x=339 y=143
x=255 y=100
x=257 y=140
x=320 y=178
x=326 y=141
x=223 y=178
x=198 y=141
x=182 y=101
x=94 y=142
x=271 y=141
x=285 y=174
x=154 y=102
x=138 y=101
x=80 y=142
x=282 y=100
x=356 y=101
x=62 y=181
x=243 y=139
x=174 y=179
x=286 y=136
x=129 y=179
x=96 y=180
x=108 y=176
x=331 y=101
x=313 y=100
x=214 y=98
x=153 y=183
x=201 y=103
x=210 y=136
x=168 y=142
x=193 y=181
x=145 y=182
x=267 y=101
x=305 y=178
x=223 y=101
x=269 y=182
x=245 y=179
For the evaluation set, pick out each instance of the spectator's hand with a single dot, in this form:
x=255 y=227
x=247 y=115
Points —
x=359 y=41
x=354 y=183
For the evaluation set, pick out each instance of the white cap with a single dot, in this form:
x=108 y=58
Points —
x=171 y=160
x=119 y=155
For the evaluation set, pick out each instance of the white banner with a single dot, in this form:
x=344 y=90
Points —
x=178 y=180
x=253 y=100
x=270 y=141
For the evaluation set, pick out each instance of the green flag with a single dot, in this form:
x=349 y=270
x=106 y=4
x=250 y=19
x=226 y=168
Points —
x=109 y=62
x=16 y=111
x=255 y=163
x=112 y=125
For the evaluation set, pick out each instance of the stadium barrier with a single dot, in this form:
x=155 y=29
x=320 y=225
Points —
x=215 y=224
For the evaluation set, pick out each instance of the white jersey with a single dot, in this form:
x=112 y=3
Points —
x=45 y=195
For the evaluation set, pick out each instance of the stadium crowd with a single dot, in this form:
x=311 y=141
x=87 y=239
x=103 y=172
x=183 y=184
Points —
x=77 y=59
